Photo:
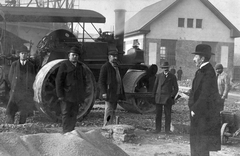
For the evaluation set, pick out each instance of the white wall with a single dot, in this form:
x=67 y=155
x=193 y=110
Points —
x=212 y=28
x=128 y=42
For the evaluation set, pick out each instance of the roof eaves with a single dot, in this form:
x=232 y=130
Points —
x=137 y=32
x=160 y=14
x=234 y=32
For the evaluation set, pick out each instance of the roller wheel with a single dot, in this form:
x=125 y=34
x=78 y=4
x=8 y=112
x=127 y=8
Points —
x=45 y=96
x=224 y=129
x=132 y=82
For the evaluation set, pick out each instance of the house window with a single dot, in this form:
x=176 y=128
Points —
x=190 y=23
x=163 y=53
x=180 y=22
x=199 y=23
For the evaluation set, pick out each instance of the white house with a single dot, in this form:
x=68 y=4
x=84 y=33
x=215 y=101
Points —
x=171 y=29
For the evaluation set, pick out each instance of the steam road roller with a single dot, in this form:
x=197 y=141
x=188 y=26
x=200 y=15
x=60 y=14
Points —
x=136 y=77
x=52 y=49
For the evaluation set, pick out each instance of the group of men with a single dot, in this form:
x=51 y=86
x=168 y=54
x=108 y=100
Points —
x=70 y=87
x=206 y=100
x=209 y=90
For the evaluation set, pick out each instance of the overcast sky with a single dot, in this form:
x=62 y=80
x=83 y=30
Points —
x=230 y=8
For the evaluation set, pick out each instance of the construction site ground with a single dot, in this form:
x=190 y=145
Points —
x=144 y=142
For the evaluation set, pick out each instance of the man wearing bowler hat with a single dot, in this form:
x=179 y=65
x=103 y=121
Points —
x=164 y=91
x=204 y=105
x=21 y=77
x=71 y=88
x=111 y=86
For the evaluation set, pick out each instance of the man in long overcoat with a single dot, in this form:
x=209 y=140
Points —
x=164 y=91
x=21 y=77
x=204 y=106
x=71 y=88
x=111 y=86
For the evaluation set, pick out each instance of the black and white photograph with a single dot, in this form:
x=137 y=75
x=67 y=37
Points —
x=119 y=78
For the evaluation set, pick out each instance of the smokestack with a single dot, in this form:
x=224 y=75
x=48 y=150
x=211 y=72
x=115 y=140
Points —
x=119 y=28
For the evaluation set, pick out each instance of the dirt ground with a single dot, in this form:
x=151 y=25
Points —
x=145 y=143
x=148 y=144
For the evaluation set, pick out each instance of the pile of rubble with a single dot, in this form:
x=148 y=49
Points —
x=75 y=143
x=119 y=133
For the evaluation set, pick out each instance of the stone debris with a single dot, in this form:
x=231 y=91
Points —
x=75 y=143
x=121 y=132
x=28 y=128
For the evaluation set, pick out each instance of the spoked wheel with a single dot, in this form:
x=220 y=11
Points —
x=138 y=100
x=45 y=92
x=224 y=133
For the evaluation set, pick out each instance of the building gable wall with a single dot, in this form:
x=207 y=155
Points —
x=166 y=26
x=213 y=32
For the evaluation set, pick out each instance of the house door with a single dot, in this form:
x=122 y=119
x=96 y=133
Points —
x=170 y=46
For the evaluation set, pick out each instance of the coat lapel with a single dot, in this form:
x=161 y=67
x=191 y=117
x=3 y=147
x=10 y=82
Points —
x=199 y=75
x=198 y=79
x=17 y=69
x=70 y=66
x=162 y=78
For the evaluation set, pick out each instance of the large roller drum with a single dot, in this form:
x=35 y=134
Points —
x=138 y=99
x=45 y=97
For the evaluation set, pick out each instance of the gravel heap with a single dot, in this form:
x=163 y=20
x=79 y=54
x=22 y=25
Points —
x=75 y=143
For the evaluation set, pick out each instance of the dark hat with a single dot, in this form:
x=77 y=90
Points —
x=165 y=65
x=113 y=52
x=203 y=49
x=23 y=48
x=218 y=66
x=136 y=43
x=75 y=50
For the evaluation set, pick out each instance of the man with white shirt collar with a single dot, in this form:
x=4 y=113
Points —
x=164 y=91
x=204 y=105
x=21 y=77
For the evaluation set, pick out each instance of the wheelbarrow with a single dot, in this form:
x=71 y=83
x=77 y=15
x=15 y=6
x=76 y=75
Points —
x=230 y=125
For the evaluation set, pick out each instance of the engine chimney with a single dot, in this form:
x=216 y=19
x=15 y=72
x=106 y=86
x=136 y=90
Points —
x=119 y=29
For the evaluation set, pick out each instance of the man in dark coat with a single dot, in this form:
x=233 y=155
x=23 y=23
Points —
x=111 y=86
x=164 y=91
x=179 y=74
x=21 y=77
x=204 y=105
x=71 y=88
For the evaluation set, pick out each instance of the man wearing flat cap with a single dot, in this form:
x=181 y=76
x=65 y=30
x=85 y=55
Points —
x=204 y=105
x=164 y=90
x=71 y=88
x=223 y=82
x=21 y=77
x=111 y=86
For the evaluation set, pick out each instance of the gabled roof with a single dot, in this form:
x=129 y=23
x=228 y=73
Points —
x=234 y=31
x=139 y=23
x=145 y=16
